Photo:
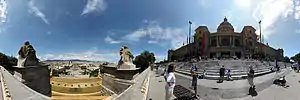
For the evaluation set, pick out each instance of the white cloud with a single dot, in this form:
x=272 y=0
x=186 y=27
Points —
x=269 y=11
x=243 y=3
x=94 y=5
x=112 y=41
x=34 y=10
x=3 y=11
x=136 y=35
x=155 y=32
x=152 y=42
x=91 y=55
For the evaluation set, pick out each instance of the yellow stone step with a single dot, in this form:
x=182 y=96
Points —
x=79 y=97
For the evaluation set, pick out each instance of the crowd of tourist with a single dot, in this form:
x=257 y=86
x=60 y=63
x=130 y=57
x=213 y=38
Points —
x=224 y=74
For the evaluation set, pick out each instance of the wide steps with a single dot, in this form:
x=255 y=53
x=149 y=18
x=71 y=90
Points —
x=234 y=76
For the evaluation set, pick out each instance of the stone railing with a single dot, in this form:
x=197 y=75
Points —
x=35 y=77
x=18 y=90
x=4 y=89
x=138 y=90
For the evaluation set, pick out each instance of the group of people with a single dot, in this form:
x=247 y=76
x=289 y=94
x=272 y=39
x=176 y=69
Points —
x=170 y=79
x=222 y=73
x=295 y=67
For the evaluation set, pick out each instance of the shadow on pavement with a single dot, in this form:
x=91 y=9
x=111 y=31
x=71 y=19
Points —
x=253 y=92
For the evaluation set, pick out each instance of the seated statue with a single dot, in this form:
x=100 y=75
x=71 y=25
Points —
x=27 y=56
x=126 y=59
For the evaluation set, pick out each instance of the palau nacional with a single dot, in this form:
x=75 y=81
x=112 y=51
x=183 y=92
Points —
x=225 y=43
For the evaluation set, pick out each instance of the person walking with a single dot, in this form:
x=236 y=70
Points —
x=250 y=78
x=194 y=74
x=222 y=74
x=170 y=81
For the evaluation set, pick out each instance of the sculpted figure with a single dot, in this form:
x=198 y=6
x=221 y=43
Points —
x=27 y=55
x=126 y=58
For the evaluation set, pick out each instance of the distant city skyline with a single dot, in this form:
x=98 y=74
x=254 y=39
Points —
x=96 y=29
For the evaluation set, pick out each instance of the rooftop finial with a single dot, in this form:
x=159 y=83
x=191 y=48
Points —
x=225 y=19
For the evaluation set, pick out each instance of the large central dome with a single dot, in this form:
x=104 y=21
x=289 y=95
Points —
x=225 y=26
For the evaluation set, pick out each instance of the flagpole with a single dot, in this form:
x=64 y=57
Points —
x=260 y=38
x=190 y=24
x=259 y=31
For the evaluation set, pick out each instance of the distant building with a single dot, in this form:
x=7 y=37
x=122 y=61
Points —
x=225 y=43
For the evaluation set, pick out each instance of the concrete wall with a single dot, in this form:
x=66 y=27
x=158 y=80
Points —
x=112 y=84
x=36 y=78
x=19 y=91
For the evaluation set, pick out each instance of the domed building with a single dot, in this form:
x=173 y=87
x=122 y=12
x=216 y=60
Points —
x=225 y=43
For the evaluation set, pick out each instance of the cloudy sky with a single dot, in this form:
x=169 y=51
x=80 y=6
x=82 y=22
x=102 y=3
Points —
x=96 y=29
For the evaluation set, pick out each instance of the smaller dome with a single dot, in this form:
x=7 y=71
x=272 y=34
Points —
x=225 y=26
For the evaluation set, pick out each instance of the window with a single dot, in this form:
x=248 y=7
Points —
x=225 y=42
x=213 y=42
x=250 y=43
x=236 y=42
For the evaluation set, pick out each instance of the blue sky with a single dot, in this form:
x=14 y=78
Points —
x=96 y=29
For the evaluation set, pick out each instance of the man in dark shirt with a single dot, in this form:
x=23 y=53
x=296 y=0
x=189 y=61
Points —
x=222 y=73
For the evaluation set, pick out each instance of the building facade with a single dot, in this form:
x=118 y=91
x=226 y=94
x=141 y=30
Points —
x=225 y=43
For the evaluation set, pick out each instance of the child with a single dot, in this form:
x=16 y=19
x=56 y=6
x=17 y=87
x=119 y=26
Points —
x=228 y=75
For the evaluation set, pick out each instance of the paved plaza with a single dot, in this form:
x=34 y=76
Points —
x=231 y=90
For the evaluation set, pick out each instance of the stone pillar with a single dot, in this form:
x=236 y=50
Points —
x=217 y=41
x=233 y=39
x=230 y=41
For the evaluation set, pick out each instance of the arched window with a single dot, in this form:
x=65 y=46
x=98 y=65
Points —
x=225 y=42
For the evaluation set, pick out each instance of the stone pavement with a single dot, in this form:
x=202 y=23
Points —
x=228 y=90
x=210 y=90
x=275 y=92
x=156 y=86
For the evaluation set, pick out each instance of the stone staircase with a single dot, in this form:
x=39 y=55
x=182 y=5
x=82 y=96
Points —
x=239 y=68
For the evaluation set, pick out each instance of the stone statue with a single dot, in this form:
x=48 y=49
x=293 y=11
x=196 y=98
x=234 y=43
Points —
x=126 y=59
x=27 y=56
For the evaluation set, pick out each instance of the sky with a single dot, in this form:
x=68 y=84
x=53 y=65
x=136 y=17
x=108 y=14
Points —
x=96 y=29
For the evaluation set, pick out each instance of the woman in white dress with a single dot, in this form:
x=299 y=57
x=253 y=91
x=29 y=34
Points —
x=170 y=81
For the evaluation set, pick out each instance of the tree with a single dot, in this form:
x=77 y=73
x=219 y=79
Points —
x=8 y=61
x=286 y=59
x=144 y=60
x=296 y=58
x=3 y=59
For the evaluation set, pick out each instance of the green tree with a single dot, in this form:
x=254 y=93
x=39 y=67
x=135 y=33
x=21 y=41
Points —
x=286 y=59
x=3 y=59
x=296 y=58
x=144 y=60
